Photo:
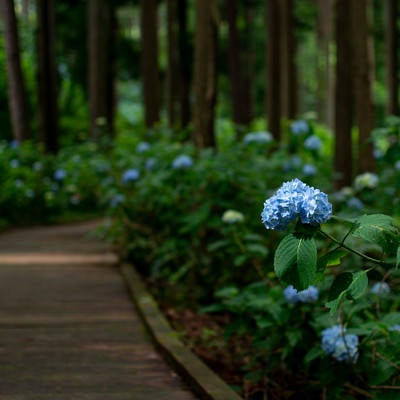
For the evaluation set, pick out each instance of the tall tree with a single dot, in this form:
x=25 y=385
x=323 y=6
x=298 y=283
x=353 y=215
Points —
x=362 y=78
x=273 y=97
x=173 y=63
x=100 y=66
x=16 y=87
x=47 y=75
x=343 y=96
x=149 y=61
x=325 y=73
x=392 y=62
x=185 y=57
x=205 y=77
x=239 y=73
x=287 y=53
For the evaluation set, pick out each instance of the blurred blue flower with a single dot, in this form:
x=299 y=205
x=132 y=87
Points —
x=394 y=328
x=258 y=137
x=397 y=165
x=299 y=127
x=295 y=199
x=309 y=170
x=309 y=295
x=367 y=180
x=130 y=175
x=182 y=161
x=293 y=163
x=380 y=288
x=14 y=163
x=355 y=203
x=37 y=166
x=151 y=163
x=313 y=143
x=142 y=147
x=116 y=200
x=59 y=174
x=341 y=346
x=14 y=144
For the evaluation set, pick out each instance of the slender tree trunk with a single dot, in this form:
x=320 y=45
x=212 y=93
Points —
x=343 y=96
x=324 y=73
x=288 y=67
x=149 y=59
x=47 y=75
x=205 y=73
x=185 y=57
x=173 y=63
x=238 y=76
x=100 y=66
x=392 y=42
x=16 y=87
x=364 y=106
x=273 y=69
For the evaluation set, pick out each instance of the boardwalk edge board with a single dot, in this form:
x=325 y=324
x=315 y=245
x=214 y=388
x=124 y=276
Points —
x=204 y=382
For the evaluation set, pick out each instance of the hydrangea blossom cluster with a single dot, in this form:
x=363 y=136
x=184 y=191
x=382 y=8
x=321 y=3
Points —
x=130 y=175
x=397 y=166
x=313 y=143
x=232 y=217
x=60 y=174
x=341 y=346
x=295 y=199
x=258 y=137
x=309 y=170
x=182 y=161
x=394 y=328
x=292 y=163
x=380 y=288
x=309 y=295
x=142 y=147
x=299 y=127
x=367 y=180
x=355 y=203
x=151 y=163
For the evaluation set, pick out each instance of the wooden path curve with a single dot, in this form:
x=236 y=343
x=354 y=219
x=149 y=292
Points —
x=68 y=329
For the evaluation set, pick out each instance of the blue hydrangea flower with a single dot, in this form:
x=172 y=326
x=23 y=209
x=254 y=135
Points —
x=293 y=163
x=355 y=203
x=295 y=199
x=130 y=175
x=117 y=200
x=394 y=328
x=367 y=180
x=182 y=161
x=397 y=166
x=59 y=174
x=313 y=143
x=14 y=144
x=14 y=163
x=309 y=170
x=258 y=137
x=299 y=127
x=142 y=147
x=341 y=346
x=150 y=163
x=309 y=295
x=380 y=288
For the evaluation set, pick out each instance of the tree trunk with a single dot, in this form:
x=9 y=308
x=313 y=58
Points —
x=205 y=77
x=16 y=87
x=239 y=79
x=343 y=96
x=391 y=10
x=185 y=57
x=47 y=75
x=173 y=64
x=288 y=67
x=100 y=66
x=149 y=60
x=324 y=73
x=273 y=98
x=362 y=76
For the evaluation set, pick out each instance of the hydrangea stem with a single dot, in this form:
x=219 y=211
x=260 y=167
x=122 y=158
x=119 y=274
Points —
x=354 y=251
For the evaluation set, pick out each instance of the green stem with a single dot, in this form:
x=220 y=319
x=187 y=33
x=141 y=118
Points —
x=344 y=246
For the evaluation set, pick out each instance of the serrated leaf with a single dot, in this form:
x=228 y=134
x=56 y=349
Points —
x=332 y=258
x=358 y=285
x=378 y=229
x=340 y=284
x=296 y=260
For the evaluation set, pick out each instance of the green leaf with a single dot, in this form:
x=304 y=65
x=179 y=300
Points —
x=378 y=229
x=350 y=285
x=295 y=260
x=333 y=257
x=398 y=257
x=258 y=249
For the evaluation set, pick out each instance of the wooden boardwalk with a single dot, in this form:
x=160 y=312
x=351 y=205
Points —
x=68 y=329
